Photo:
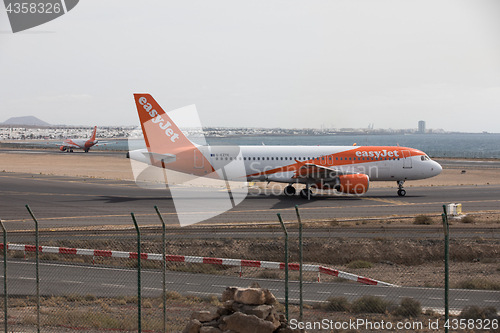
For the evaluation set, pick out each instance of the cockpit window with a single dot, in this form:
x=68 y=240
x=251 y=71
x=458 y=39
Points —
x=425 y=158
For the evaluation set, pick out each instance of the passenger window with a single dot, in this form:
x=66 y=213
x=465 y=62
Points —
x=258 y=158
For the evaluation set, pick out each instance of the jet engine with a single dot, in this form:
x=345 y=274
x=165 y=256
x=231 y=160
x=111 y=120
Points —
x=62 y=148
x=353 y=184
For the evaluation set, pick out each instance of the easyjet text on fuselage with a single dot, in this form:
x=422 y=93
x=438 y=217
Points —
x=378 y=153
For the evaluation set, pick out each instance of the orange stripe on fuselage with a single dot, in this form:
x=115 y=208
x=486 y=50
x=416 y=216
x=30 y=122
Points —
x=363 y=154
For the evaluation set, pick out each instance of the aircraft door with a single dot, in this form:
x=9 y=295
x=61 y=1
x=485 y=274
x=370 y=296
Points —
x=407 y=162
x=199 y=161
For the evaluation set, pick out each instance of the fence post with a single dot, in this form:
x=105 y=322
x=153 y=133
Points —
x=286 y=266
x=301 y=259
x=37 y=268
x=139 y=298
x=446 y=227
x=164 y=271
x=5 y=297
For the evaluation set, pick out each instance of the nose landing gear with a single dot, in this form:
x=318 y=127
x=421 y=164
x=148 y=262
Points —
x=401 y=190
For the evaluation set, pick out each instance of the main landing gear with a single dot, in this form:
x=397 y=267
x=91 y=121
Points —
x=304 y=193
x=289 y=190
x=401 y=190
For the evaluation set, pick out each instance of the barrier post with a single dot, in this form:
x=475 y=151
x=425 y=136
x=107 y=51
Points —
x=301 y=259
x=446 y=228
x=37 y=268
x=139 y=298
x=164 y=271
x=5 y=297
x=286 y=266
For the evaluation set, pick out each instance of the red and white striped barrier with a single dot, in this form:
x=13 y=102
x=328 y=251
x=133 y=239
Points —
x=198 y=260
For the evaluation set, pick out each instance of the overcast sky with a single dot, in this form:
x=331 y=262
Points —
x=261 y=63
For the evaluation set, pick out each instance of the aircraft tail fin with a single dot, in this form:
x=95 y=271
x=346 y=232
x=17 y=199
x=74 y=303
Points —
x=93 y=134
x=161 y=134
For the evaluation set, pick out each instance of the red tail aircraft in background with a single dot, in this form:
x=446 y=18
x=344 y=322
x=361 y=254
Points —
x=69 y=144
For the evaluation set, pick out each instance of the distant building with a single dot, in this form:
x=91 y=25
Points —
x=421 y=127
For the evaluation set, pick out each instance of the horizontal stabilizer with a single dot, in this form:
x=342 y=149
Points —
x=165 y=158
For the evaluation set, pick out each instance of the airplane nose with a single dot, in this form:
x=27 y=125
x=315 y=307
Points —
x=437 y=168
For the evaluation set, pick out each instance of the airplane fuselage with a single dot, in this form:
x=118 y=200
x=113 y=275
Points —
x=346 y=169
x=280 y=163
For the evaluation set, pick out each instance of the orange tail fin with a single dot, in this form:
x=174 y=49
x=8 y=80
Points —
x=160 y=133
x=93 y=134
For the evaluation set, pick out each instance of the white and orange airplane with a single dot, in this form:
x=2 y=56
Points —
x=85 y=144
x=345 y=169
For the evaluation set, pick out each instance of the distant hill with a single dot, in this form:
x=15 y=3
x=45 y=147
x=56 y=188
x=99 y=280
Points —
x=27 y=120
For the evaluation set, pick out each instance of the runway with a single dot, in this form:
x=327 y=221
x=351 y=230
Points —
x=59 y=201
x=104 y=281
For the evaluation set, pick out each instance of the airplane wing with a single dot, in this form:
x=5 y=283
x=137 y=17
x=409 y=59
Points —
x=70 y=145
x=319 y=172
x=105 y=143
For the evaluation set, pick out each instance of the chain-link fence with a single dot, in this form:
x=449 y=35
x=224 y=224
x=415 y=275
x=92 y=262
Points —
x=356 y=273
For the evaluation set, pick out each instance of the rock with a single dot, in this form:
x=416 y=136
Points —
x=192 y=327
x=222 y=312
x=213 y=323
x=245 y=310
x=274 y=319
x=250 y=296
x=210 y=329
x=228 y=294
x=270 y=299
x=260 y=311
x=242 y=323
x=223 y=326
x=228 y=305
x=204 y=316
x=254 y=285
x=285 y=330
